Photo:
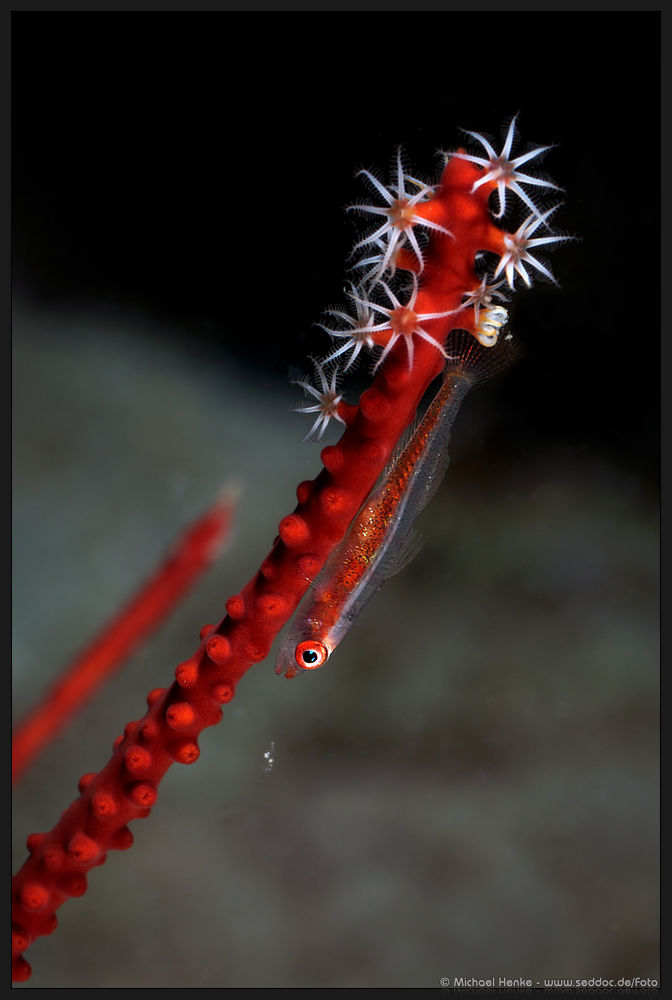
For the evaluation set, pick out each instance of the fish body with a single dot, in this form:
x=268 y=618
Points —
x=381 y=539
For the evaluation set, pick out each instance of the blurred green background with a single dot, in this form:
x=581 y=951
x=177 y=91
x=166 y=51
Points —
x=470 y=788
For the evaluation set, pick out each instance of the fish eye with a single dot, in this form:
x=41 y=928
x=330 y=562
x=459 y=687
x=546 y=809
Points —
x=311 y=654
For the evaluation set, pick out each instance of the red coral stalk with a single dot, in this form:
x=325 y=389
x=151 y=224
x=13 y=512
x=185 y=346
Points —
x=189 y=557
x=446 y=297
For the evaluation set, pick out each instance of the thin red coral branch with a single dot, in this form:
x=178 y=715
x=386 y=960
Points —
x=126 y=788
x=192 y=553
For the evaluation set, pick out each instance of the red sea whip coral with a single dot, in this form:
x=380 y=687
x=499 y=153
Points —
x=441 y=237
x=189 y=557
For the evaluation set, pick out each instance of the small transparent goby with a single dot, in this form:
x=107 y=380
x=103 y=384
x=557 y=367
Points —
x=381 y=539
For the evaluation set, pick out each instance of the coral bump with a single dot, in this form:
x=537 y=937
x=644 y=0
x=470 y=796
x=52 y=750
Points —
x=446 y=292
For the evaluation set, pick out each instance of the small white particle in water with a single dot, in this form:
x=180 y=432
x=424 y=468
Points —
x=269 y=758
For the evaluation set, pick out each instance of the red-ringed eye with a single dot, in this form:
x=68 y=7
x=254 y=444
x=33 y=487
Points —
x=311 y=654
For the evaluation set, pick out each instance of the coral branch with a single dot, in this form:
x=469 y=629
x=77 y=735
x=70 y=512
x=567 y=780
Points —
x=458 y=227
x=190 y=556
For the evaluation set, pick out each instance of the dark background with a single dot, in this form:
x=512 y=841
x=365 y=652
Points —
x=197 y=169
x=471 y=787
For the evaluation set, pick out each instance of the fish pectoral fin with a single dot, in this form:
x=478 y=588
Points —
x=394 y=561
